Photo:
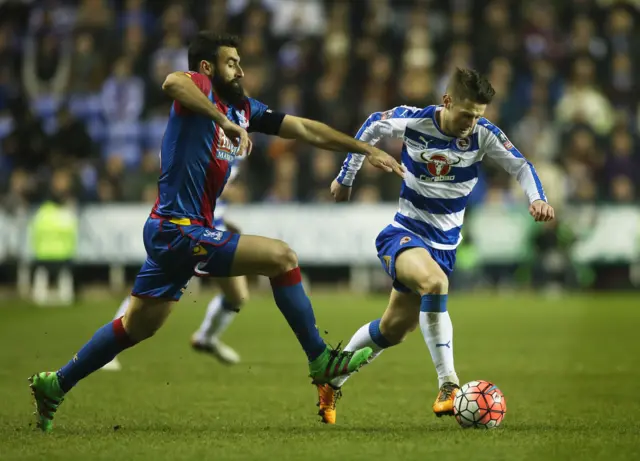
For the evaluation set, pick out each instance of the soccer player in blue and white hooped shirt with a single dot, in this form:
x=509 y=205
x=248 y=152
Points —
x=442 y=150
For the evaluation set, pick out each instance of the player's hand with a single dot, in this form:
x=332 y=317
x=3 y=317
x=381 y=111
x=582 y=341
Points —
x=380 y=159
x=339 y=192
x=541 y=211
x=239 y=135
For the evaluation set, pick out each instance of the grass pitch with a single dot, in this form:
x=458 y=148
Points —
x=568 y=369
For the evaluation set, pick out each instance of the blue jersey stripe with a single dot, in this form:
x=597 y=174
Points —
x=420 y=170
x=433 y=205
x=426 y=139
x=536 y=179
x=429 y=232
x=433 y=142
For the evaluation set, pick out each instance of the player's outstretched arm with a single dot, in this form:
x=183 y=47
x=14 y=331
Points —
x=325 y=137
x=181 y=87
x=499 y=148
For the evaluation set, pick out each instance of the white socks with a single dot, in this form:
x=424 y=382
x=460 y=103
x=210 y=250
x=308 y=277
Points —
x=368 y=335
x=219 y=316
x=437 y=330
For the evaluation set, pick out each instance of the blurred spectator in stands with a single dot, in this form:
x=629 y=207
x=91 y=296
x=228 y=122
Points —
x=584 y=40
x=622 y=90
x=87 y=66
x=71 y=141
x=142 y=186
x=284 y=188
x=173 y=51
x=20 y=192
x=176 y=20
x=133 y=48
x=323 y=166
x=8 y=80
x=135 y=16
x=563 y=73
x=622 y=191
x=46 y=64
x=110 y=185
x=622 y=34
x=622 y=158
x=156 y=100
x=122 y=94
x=583 y=101
x=97 y=18
x=26 y=145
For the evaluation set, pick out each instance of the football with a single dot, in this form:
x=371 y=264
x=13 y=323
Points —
x=479 y=404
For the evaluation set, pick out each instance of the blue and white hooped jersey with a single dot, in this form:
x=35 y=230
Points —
x=221 y=206
x=441 y=170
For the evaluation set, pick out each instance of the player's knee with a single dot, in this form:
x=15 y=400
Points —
x=284 y=258
x=434 y=284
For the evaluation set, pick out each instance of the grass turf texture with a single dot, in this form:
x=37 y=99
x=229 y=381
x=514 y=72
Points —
x=568 y=369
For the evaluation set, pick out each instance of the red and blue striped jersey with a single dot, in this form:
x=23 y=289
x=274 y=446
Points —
x=196 y=156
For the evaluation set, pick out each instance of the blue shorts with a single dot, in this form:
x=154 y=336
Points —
x=177 y=252
x=392 y=241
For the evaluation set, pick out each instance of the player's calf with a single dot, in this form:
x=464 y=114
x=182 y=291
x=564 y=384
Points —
x=145 y=316
x=264 y=256
x=397 y=323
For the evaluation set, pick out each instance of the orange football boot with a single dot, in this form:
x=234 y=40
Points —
x=327 y=398
x=444 y=402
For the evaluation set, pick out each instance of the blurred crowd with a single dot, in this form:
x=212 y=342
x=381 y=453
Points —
x=82 y=112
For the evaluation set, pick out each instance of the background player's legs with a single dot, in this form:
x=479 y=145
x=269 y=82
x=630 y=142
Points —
x=416 y=269
x=256 y=255
x=400 y=317
x=221 y=311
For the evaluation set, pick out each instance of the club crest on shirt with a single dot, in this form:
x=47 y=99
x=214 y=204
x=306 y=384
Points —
x=213 y=234
x=439 y=167
x=242 y=119
x=463 y=144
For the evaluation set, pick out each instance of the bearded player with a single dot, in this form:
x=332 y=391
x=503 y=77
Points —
x=209 y=111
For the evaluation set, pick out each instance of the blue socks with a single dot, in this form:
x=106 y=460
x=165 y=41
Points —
x=105 y=344
x=376 y=335
x=433 y=303
x=294 y=304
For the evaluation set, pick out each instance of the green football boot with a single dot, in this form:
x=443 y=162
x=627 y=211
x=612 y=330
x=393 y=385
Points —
x=46 y=391
x=334 y=362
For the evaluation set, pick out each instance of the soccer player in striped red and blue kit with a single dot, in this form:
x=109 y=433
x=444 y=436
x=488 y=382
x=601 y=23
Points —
x=209 y=111
x=442 y=150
